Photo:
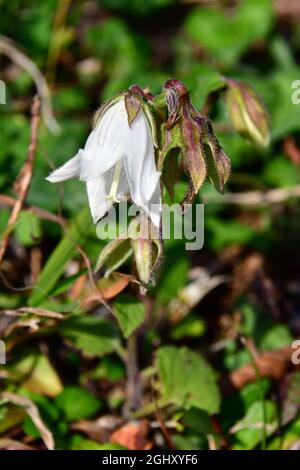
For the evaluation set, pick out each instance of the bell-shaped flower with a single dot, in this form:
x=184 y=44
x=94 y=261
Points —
x=117 y=161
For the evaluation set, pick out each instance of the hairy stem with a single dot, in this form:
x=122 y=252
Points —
x=133 y=388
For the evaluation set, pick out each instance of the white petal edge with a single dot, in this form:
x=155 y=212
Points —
x=105 y=145
x=71 y=169
x=97 y=196
x=139 y=161
x=153 y=207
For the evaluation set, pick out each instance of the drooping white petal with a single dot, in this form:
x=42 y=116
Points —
x=153 y=207
x=123 y=187
x=71 y=169
x=97 y=195
x=139 y=161
x=105 y=144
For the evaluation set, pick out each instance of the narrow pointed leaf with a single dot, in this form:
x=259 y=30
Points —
x=65 y=250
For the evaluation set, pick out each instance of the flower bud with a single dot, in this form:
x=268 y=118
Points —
x=147 y=248
x=218 y=163
x=247 y=113
x=191 y=132
x=140 y=239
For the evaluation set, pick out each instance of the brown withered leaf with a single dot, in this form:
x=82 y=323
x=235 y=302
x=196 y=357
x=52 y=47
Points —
x=11 y=444
x=133 y=436
x=109 y=286
x=271 y=364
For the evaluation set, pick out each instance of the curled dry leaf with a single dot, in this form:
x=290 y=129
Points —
x=32 y=410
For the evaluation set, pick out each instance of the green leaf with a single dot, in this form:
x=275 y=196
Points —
x=10 y=416
x=59 y=258
x=130 y=314
x=190 y=441
x=77 y=403
x=248 y=431
x=36 y=374
x=275 y=337
x=66 y=283
x=226 y=36
x=113 y=255
x=198 y=421
x=280 y=172
x=187 y=380
x=93 y=335
x=275 y=89
x=80 y=443
x=28 y=229
x=192 y=326
x=173 y=278
x=225 y=233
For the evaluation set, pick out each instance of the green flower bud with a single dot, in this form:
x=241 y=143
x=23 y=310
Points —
x=247 y=113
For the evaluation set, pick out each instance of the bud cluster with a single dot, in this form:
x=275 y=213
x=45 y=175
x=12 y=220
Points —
x=135 y=150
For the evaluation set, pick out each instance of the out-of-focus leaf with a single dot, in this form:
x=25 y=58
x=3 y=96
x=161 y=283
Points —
x=187 y=380
x=92 y=335
x=38 y=373
x=225 y=36
x=28 y=229
x=80 y=443
x=130 y=313
x=280 y=172
x=10 y=416
x=77 y=403
x=190 y=441
x=65 y=250
x=228 y=232
x=192 y=326
x=199 y=421
x=248 y=431
x=275 y=337
x=290 y=397
x=172 y=279
x=66 y=283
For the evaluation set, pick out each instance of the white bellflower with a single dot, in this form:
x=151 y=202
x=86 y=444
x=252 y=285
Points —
x=117 y=161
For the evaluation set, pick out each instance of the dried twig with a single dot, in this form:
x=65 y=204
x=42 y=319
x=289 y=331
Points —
x=15 y=320
x=24 y=178
x=193 y=293
x=43 y=214
x=41 y=312
x=255 y=198
x=32 y=410
x=8 y=48
x=163 y=426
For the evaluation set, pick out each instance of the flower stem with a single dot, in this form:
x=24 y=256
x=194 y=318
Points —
x=133 y=388
x=261 y=391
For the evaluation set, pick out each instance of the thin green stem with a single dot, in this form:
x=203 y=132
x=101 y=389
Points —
x=261 y=390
